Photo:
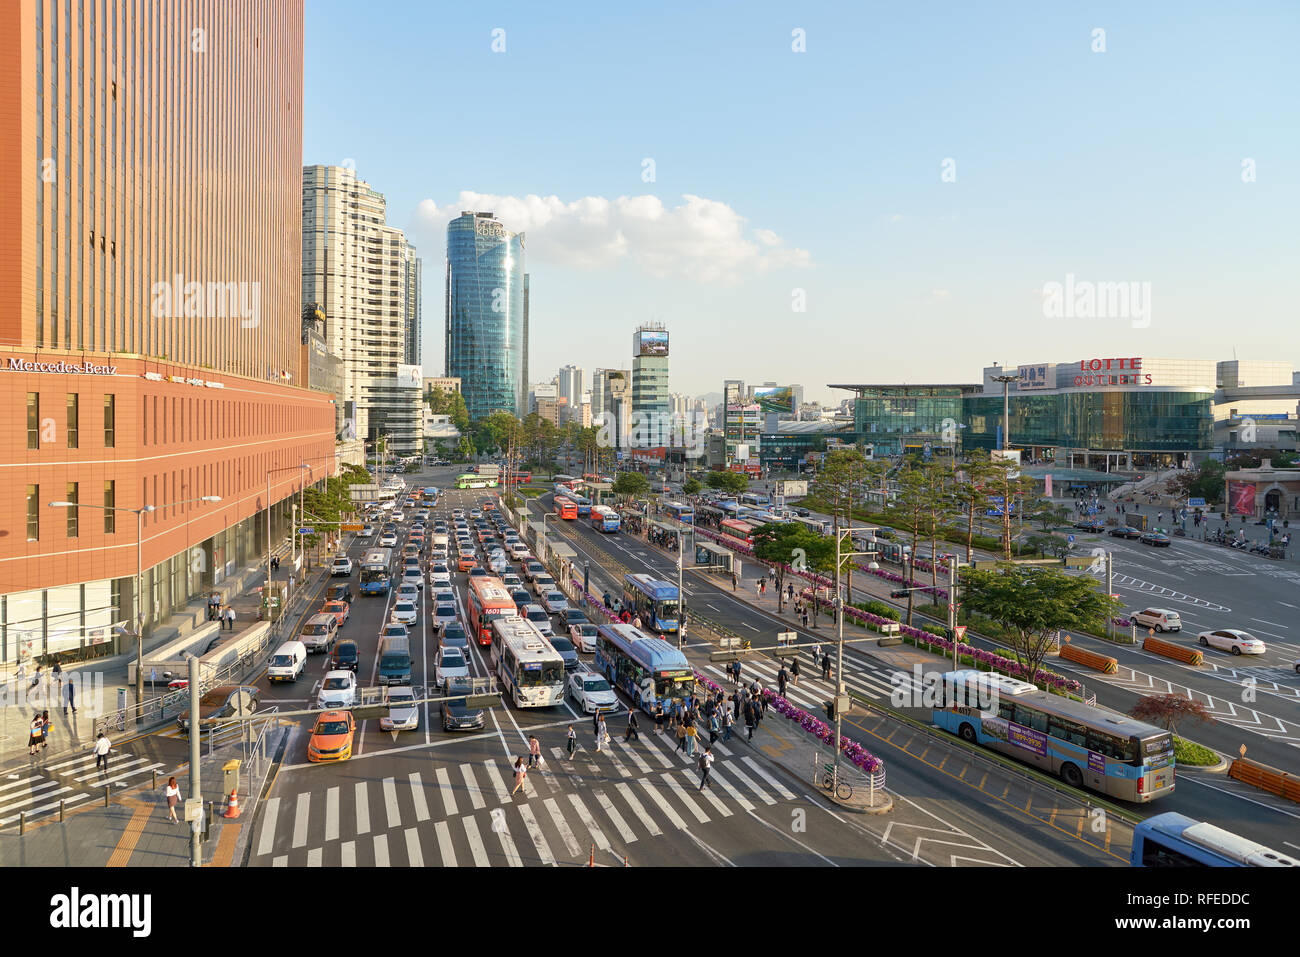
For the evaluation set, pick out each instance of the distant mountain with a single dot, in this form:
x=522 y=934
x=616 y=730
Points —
x=711 y=398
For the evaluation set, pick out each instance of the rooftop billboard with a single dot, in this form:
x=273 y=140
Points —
x=651 y=343
x=775 y=399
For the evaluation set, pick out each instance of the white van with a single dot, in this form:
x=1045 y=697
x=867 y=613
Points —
x=1161 y=619
x=288 y=662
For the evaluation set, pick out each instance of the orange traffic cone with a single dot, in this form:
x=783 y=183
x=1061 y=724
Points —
x=232 y=809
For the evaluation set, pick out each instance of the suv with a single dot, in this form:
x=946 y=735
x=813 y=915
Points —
x=1161 y=619
x=342 y=567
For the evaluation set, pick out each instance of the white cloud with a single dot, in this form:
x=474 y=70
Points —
x=700 y=239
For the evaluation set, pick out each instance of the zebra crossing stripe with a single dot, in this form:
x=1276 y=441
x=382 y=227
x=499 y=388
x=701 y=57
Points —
x=269 y=816
x=780 y=788
x=561 y=825
x=708 y=794
x=663 y=805
x=625 y=832
x=300 y=815
x=332 y=814
x=749 y=783
x=471 y=785
x=445 y=848
x=535 y=833
x=644 y=768
x=281 y=861
x=381 y=850
x=390 y=803
x=495 y=777
x=417 y=797
x=81 y=759
x=15 y=805
x=637 y=809
x=363 y=809
x=676 y=786
x=414 y=856
x=475 y=841
x=71 y=799
x=507 y=842
x=719 y=746
x=618 y=764
x=448 y=795
x=116 y=771
x=654 y=749
x=349 y=852
x=314 y=857
x=727 y=786
x=596 y=834
x=25 y=782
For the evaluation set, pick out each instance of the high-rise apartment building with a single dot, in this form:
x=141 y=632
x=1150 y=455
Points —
x=650 y=383
x=611 y=403
x=150 y=311
x=570 y=383
x=487 y=314
x=366 y=276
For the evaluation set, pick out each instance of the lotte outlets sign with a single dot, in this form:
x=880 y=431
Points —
x=1108 y=372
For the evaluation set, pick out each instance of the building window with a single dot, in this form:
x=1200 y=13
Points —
x=73 y=526
x=73 y=416
x=110 y=500
x=110 y=421
x=33 y=420
x=33 y=513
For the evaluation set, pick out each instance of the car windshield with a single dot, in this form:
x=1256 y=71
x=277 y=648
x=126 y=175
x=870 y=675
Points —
x=281 y=661
x=595 y=684
x=554 y=596
x=401 y=696
x=343 y=652
x=394 y=660
x=452 y=659
x=310 y=629
x=561 y=644
x=587 y=631
x=538 y=615
x=394 y=633
x=446 y=611
x=332 y=727
x=333 y=684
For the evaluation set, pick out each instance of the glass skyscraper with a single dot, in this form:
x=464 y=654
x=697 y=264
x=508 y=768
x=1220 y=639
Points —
x=487 y=314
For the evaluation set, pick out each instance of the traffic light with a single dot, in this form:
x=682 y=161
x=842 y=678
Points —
x=829 y=706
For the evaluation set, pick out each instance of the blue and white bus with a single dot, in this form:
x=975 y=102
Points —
x=1174 y=840
x=680 y=511
x=531 y=671
x=753 y=498
x=655 y=602
x=730 y=509
x=648 y=669
x=376 y=574
x=604 y=518
x=1084 y=746
x=584 y=504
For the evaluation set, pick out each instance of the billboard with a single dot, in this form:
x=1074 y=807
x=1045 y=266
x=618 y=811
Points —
x=410 y=377
x=778 y=399
x=1041 y=375
x=651 y=343
x=1241 y=498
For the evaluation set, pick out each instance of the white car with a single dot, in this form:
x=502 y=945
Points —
x=442 y=616
x=539 y=619
x=439 y=574
x=592 y=692
x=338 y=690
x=402 y=715
x=499 y=564
x=444 y=596
x=412 y=576
x=404 y=613
x=555 y=601
x=518 y=549
x=367 y=531
x=408 y=592
x=1161 y=619
x=342 y=566
x=583 y=636
x=387 y=540
x=450 y=663
x=1232 y=639
x=399 y=515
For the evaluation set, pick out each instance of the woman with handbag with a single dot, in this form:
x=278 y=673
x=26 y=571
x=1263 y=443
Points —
x=35 y=736
x=173 y=795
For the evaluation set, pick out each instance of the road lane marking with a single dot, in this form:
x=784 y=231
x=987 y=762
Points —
x=535 y=833
x=645 y=768
x=562 y=826
x=414 y=855
x=332 y=814
x=475 y=841
x=625 y=832
x=381 y=850
x=638 y=809
x=445 y=847
x=363 y=809
x=676 y=786
x=314 y=857
x=471 y=785
x=269 y=816
x=445 y=789
x=708 y=794
x=749 y=783
x=495 y=777
x=300 y=817
x=727 y=786
x=664 y=806
x=507 y=842
x=390 y=803
x=349 y=851
x=417 y=797
x=597 y=835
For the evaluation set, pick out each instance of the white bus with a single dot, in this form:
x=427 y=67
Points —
x=530 y=669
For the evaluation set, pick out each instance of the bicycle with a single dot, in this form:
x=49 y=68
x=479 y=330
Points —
x=841 y=788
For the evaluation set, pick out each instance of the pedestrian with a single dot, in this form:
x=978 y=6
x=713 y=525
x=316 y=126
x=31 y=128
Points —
x=521 y=775
x=794 y=672
x=35 y=736
x=749 y=720
x=789 y=592
x=633 y=732
x=805 y=617
x=706 y=763
x=37 y=678
x=738 y=670
x=102 y=746
x=733 y=581
x=782 y=677
x=45 y=730
x=69 y=697
x=735 y=705
x=727 y=722
x=816 y=653
x=692 y=733
x=572 y=743
x=681 y=736
x=534 y=752
x=826 y=667
x=602 y=734
x=637 y=622
x=173 y=795
x=715 y=726
x=57 y=673
x=595 y=722
x=659 y=717
x=230 y=617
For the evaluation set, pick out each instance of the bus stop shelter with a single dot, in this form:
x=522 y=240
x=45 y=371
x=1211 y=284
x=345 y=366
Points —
x=712 y=557
x=558 y=555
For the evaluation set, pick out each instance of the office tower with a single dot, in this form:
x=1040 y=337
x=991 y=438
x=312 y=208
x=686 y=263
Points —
x=650 y=383
x=570 y=382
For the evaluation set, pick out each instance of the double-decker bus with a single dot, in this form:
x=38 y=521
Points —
x=655 y=602
x=681 y=512
x=1175 y=840
x=565 y=507
x=488 y=600
x=736 y=532
x=1085 y=746
x=648 y=669
x=604 y=518
x=530 y=669
x=470 y=480
x=376 y=571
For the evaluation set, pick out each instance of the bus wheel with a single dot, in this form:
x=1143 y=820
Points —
x=1071 y=775
x=967 y=733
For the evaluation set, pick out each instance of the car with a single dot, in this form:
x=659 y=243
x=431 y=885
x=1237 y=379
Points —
x=341 y=567
x=405 y=612
x=521 y=597
x=337 y=690
x=387 y=540
x=443 y=615
x=1091 y=525
x=479 y=572
x=331 y=738
x=457 y=715
x=345 y=655
x=444 y=596
x=554 y=601
x=412 y=575
x=802 y=512
x=408 y=591
x=394 y=630
x=592 y=692
x=339 y=609
x=543 y=584
x=341 y=591
x=411 y=550
x=319 y=632
x=220 y=703
x=466 y=562
x=399 y=515
x=367 y=531
x=1156 y=539
x=475 y=513
x=1161 y=619
x=533 y=568
x=422 y=514
x=583 y=636
x=539 y=619
x=458 y=513
x=499 y=564
x=511 y=580
x=1125 y=531
x=572 y=616
x=1232 y=639
x=439 y=574
x=518 y=550
x=402 y=714
x=454 y=636
x=566 y=650
x=449 y=663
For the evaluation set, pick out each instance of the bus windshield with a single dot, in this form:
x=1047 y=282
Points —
x=374 y=574
x=666 y=609
x=545 y=673
x=679 y=686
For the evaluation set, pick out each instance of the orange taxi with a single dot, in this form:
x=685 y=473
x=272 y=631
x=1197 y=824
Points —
x=331 y=739
x=339 y=609
x=465 y=562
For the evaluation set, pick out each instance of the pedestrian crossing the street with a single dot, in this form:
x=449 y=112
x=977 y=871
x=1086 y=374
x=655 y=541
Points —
x=70 y=779
x=467 y=814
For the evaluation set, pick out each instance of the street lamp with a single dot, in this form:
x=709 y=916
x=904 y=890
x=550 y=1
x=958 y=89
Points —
x=139 y=569
x=1006 y=381
x=269 y=473
x=840 y=688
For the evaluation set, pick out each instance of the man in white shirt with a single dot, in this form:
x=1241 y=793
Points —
x=102 y=747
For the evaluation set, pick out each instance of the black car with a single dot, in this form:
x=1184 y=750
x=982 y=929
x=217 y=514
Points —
x=456 y=714
x=573 y=616
x=802 y=512
x=345 y=655
x=566 y=650
x=225 y=701
x=1156 y=539
x=1125 y=531
x=1091 y=525
x=521 y=596
x=340 y=591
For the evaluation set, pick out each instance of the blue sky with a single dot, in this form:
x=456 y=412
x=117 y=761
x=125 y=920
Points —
x=822 y=171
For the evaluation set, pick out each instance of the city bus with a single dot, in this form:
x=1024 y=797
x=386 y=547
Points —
x=730 y=509
x=1174 y=840
x=735 y=532
x=470 y=480
x=565 y=480
x=520 y=478
x=1084 y=746
x=531 y=671
x=819 y=525
x=753 y=498
x=604 y=518
x=565 y=508
x=653 y=601
x=583 y=504
x=680 y=511
x=376 y=574
x=488 y=600
x=648 y=669
x=709 y=516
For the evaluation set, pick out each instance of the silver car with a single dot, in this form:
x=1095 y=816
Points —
x=402 y=715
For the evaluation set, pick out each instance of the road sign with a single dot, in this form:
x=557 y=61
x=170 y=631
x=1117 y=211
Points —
x=1196 y=503
x=353 y=528
x=306 y=530
x=961 y=632
x=786 y=638
x=1069 y=538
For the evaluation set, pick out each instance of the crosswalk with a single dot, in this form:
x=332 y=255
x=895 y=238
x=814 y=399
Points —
x=71 y=780
x=868 y=679
x=471 y=815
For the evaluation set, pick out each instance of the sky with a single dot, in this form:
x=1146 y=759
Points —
x=890 y=203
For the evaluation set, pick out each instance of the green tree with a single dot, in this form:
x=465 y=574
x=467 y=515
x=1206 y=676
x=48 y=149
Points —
x=630 y=485
x=1035 y=603
x=1050 y=516
x=691 y=487
x=844 y=477
x=972 y=492
x=1206 y=482
x=786 y=546
x=733 y=483
x=912 y=510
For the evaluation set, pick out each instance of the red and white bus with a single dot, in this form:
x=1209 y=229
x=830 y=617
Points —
x=736 y=532
x=489 y=599
x=566 y=508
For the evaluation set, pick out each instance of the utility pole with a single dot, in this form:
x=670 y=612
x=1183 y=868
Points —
x=1006 y=381
x=952 y=611
x=196 y=791
x=841 y=698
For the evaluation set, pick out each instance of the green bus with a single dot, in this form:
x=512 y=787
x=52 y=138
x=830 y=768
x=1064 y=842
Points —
x=470 y=480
